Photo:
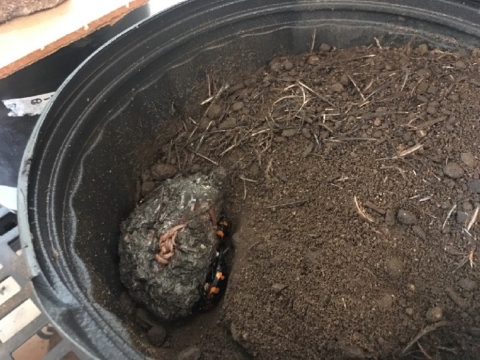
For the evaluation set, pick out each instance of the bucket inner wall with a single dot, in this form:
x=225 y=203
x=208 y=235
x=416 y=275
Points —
x=81 y=170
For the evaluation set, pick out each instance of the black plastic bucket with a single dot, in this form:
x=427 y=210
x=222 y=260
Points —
x=79 y=173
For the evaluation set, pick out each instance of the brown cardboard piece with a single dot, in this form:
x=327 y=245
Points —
x=10 y=9
x=25 y=40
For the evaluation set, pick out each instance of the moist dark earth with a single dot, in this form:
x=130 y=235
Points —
x=353 y=187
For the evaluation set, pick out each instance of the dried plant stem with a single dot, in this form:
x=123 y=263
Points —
x=425 y=331
x=362 y=211
x=473 y=218
x=410 y=150
x=321 y=97
x=450 y=212
x=214 y=98
x=356 y=87
x=296 y=202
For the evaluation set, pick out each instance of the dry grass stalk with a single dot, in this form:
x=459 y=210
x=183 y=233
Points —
x=204 y=157
x=236 y=144
x=356 y=87
x=325 y=127
x=410 y=150
x=369 y=85
x=376 y=208
x=356 y=139
x=423 y=351
x=362 y=211
x=321 y=97
x=467 y=258
x=314 y=35
x=296 y=202
x=268 y=169
x=284 y=98
x=473 y=218
x=244 y=189
x=405 y=80
x=425 y=331
x=470 y=257
x=212 y=99
x=428 y=123
x=247 y=179
x=450 y=212
x=305 y=101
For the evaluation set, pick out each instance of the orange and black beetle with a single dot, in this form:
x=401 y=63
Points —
x=214 y=286
x=217 y=276
x=224 y=227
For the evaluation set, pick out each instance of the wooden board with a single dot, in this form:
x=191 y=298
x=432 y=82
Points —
x=27 y=39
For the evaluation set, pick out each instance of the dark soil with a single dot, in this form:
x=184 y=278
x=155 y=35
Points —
x=354 y=190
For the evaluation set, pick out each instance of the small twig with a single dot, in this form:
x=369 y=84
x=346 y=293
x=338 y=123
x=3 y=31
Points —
x=203 y=157
x=423 y=351
x=467 y=232
x=203 y=136
x=178 y=158
x=335 y=62
x=200 y=142
x=323 y=98
x=324 y=116
x=450 y=350
x=207 y=100
x=255 y=244
x=262 y=131
x=305 y=101
x=245 y=185
x=473 y=219
x=191 y=134
x=314 y=35
x=470 y=257
x=405 y=80
x=425 y=331
x=362 y=211
x=450 y=212
x=467 y=258
x=342 y=179
x=378 y=43
x=285 y=97
x=340 y=139
x=296 y=202
x=268 y=169
x=369 y=85
x=249 y=180
x=457 y=299
x=214 y=98
x=209 y=87
x=244 y=189
x=428 y=123
x=235 y=144
x=380 y=114
x=356 y=87
x=461 y=264
x=410 y=150
x=380 y=88
x=400 y=170
x=375 y=208
x=325 y=127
